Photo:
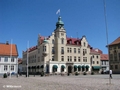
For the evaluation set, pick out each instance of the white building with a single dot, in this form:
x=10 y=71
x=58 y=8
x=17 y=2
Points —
x=59 y=53
x=8 y=57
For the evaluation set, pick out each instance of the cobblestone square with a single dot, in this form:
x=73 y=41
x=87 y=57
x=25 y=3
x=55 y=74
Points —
x=57 y=82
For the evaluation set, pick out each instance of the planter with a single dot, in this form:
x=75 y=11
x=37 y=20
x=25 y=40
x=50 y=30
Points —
x=4 y=75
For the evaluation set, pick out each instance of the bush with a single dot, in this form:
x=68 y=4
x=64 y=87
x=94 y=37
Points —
x=42 y=73
x=4 y=75
x=92 y=73
x=76 y=73
x=84 y=73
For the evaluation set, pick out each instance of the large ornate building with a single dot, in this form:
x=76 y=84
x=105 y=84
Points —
x=59 y=53
x=114 y=55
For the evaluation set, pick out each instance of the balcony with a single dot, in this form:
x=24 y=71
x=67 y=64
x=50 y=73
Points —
x=45 y=54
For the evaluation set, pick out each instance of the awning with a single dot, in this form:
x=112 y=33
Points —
x=96 y=67
x=79 y=66
x=42 y=66
x=75 y=66
x=83 y=66
x=55 y=66
x=62 y=66
x=38 y=66
x=87 y=66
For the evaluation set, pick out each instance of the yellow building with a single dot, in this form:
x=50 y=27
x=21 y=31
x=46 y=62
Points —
x=58 y=53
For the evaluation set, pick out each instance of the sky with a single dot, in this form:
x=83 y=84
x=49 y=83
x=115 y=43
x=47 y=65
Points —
x=22 y=20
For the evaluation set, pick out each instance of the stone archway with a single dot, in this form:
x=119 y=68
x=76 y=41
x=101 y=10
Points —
x=70 y=69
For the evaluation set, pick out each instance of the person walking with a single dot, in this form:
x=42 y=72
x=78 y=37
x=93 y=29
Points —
x=111 y=74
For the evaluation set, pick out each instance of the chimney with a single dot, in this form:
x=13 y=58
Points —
x=7 y=43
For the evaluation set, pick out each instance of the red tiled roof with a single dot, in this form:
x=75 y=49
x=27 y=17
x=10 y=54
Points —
x=5 y=49
x=92 y=51
x=117 y=41
x=98 y=50
x=73 y=41
x=104 y=56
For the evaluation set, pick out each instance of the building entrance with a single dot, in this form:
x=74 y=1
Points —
x=69 y=69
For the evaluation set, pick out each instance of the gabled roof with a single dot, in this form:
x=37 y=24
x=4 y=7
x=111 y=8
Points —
x=104 y=57
x=5 y=49
x=117 y=41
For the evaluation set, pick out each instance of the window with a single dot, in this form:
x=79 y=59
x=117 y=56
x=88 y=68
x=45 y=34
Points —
x=93 y=56
x=5 y=68
x=6 y=59
x=84 y=51
x=74 y=50
x=68 y=50
x=84 y=59
x=52 y=41
x=74 y=58
x=96 y=56
x=62 y=58
x=38 y=59
x=93 y=62
x=78 y=59
x=119 y=46
x=68 y=58
x=116 y=66
x=78 y=50
x=97 y=62
x=45 y=48
x=38 y=50
x=70 y=42
x=62 y=41
x=111 y=57
x=0 y=59
x=12 y=59
x=111 y=66
x=84 y=44
x=12 y=68
x=77 y=43
x=62 y=50
x=52 y=58
x=53 y=52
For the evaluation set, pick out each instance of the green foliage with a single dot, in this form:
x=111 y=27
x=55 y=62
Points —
x=76 y=73
x=4 y=75
x=42 y=73
x=92 y=73
x=84 y=73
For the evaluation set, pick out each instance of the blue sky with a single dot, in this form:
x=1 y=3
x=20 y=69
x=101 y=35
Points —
x=23 y=20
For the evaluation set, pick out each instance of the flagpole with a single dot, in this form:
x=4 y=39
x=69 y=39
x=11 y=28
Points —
x=106 y=34
x=10 y=57
x=27 y=57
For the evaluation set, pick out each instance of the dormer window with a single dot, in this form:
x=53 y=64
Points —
x=77 y=43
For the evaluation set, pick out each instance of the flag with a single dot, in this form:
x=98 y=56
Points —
x=58 y=11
